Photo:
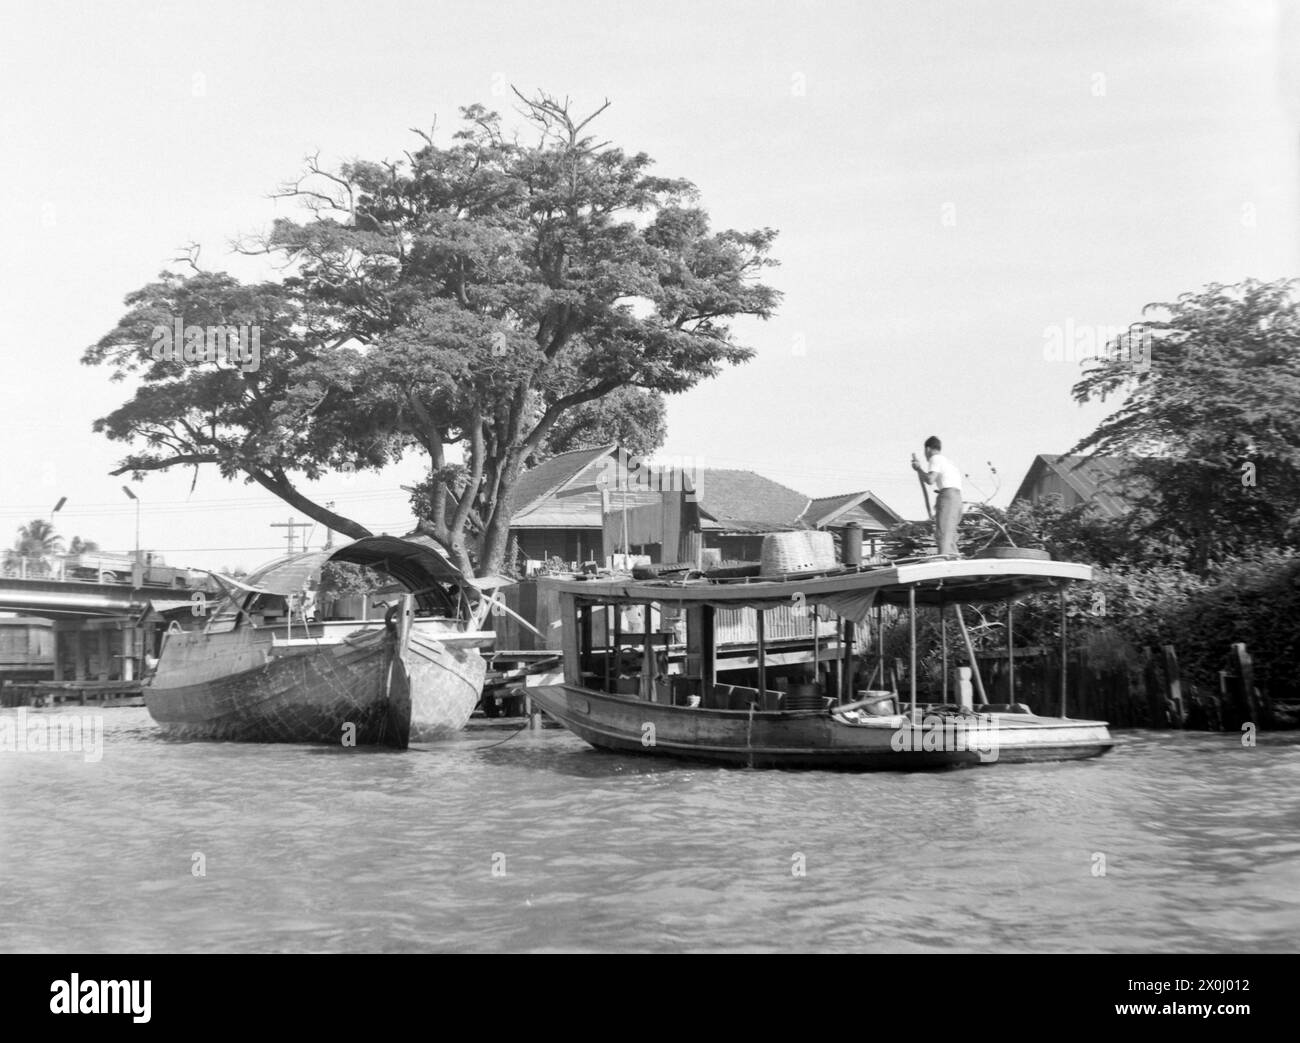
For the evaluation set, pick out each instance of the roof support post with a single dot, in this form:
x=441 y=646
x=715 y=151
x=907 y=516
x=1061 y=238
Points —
x=1064 y=649
x=911 y=626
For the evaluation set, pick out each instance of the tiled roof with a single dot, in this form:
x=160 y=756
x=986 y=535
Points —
x=826 y=509
x=736 y=500
x=733 y=497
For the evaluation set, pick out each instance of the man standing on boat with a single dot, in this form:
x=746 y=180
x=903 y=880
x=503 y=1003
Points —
x=945 y=476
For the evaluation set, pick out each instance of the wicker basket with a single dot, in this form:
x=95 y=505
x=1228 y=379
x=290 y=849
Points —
x=808 y=550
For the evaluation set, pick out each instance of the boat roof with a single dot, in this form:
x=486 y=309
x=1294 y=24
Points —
x=940 y=582
x=416 y=562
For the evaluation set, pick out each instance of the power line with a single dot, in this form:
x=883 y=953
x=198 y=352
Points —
x=167 y=505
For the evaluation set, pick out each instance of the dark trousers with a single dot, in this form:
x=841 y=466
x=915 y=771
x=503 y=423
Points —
x=947 y=512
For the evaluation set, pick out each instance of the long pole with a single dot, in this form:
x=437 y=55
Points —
x=970 y=653
x=1011 y=652
x=925 y=490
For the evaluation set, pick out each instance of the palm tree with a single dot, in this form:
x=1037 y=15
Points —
x=37 y=542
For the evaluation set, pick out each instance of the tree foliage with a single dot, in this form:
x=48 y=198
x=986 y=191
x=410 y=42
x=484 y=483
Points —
x=1210 y=418
x=629 y=417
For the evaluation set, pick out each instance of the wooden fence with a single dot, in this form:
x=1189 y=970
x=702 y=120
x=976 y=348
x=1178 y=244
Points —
x=1148 y=693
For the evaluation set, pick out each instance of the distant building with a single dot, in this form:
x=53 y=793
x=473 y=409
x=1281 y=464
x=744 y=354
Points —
x=1098 y=480
x=577 y=505
x=866 y=508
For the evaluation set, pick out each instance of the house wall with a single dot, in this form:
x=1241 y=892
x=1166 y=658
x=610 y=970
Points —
x=574 y=545
x=1049 y=483
x=26 y=649
x=93 y=649
x=740 y=547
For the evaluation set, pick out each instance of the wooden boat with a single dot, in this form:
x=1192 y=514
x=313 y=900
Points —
x=252 y=674
x=691 y=716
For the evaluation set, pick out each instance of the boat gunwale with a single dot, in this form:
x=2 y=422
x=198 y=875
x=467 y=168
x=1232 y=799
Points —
x=828 y=756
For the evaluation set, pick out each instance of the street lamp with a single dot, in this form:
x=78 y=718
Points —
x=137 y=521
x=57 y=507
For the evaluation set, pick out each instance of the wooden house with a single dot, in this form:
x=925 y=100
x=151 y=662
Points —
x=585 y=505
x=833 y=513
x=1097 y=480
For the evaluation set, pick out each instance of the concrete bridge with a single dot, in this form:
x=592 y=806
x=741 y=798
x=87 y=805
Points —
x=102 y=631
x=78 y=599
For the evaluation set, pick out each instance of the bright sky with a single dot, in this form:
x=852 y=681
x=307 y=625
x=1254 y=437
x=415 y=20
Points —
x=950 y=181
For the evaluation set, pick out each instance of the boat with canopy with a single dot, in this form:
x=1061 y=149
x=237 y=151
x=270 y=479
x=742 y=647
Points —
x=619 y=692
x=252 y=672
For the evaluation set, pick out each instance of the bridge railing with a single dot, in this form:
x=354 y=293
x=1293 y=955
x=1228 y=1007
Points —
x=80 y=569
x=22 y=567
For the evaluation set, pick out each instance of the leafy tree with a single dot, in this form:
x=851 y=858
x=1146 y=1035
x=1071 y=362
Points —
x=80 y=546
x=1211 y=418
x=465 y=301
x=629 y=417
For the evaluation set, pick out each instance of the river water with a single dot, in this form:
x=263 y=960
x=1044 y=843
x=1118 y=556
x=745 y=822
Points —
x=533 y=841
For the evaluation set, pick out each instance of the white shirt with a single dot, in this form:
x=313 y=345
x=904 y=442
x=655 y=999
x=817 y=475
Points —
x=949 y=475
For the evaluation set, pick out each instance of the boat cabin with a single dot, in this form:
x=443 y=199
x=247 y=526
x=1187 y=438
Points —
x=658 y=641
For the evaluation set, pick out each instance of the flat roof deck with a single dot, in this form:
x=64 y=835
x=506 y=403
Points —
x=939 y=582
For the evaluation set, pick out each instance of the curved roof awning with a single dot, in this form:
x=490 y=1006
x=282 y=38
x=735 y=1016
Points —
x=416 y=562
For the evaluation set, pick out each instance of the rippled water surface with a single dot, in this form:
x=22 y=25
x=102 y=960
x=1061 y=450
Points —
x=539 y=842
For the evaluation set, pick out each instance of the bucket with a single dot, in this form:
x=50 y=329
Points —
x=878 y=703
x=804 y=696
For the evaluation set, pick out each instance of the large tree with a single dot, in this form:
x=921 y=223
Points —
x=473 y=300
x=1210 y=418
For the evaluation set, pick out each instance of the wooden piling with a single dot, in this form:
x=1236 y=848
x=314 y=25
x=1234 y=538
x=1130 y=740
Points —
x=1248 y=704
x=1175 y=687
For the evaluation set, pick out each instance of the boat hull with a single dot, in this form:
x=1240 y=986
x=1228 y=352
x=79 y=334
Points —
x=233 y=687
x=817 y=739
x=446 y=684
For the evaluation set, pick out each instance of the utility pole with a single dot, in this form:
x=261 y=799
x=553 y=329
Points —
x=329 y=533
x=291 y=525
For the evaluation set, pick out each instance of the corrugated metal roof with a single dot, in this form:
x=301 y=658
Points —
x=1099 y=480
x=288 y=575
x=546 y=479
